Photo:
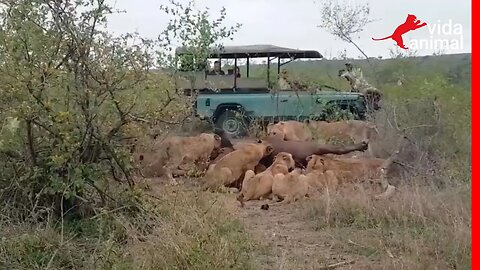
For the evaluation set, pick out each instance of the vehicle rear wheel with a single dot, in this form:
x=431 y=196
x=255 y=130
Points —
x=233 y=123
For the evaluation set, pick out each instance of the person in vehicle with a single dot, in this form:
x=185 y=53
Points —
x=217 y=69
x=237 y=72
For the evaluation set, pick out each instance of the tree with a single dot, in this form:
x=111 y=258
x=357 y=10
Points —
x=345 y=20
x=73 y=88
x=197 y=32
x=70 y=96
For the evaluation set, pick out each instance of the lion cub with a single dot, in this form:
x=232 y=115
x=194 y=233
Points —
x=233 y=165
x=318 y=181
x=296 y=185
x=290 y=187
x=259 y=186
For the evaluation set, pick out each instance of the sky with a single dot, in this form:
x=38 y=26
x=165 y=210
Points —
x=294 y=24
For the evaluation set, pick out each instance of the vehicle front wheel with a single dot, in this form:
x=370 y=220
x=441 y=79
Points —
x=233 y=123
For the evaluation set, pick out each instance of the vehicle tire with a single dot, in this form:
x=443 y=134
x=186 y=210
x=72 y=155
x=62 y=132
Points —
x=233 y=123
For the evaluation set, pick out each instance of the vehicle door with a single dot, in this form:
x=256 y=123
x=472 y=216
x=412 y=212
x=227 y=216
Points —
x=289 y=105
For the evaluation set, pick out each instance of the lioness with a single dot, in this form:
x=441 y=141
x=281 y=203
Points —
x=355 y=130
x=355 y=169
x=226 y=150
x=290 y=131
x=233 y=165
x=259 y=186
x=166 y=157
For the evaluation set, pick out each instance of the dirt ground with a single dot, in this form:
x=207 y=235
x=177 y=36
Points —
x=290 y=243
x=285 y=241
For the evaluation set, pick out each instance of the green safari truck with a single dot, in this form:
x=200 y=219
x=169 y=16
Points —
x=232 y=100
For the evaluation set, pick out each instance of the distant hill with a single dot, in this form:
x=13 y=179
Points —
x=461 y=58
x=455 y=67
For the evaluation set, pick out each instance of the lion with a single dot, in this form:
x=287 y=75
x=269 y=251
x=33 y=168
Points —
x=233 y=165
x=166 y=157
x=290 y=131
x=226 y=150
x=227 y=147
x=259 y=186
x=297 y=185
x=290 y=187
x=355 y=169
x=354 y=130
x=318 y=181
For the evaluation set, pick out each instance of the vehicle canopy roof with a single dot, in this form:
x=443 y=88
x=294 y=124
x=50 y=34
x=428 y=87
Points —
x=255 y=51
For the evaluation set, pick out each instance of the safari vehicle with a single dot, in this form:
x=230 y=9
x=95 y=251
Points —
x=232 y=103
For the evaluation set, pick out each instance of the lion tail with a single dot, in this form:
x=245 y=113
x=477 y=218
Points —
x=382 y=38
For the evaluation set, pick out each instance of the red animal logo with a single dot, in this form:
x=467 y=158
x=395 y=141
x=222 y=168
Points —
x=410 y=24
